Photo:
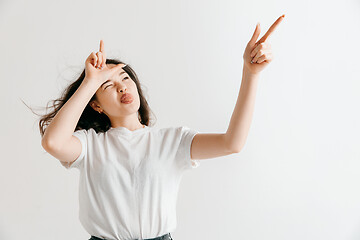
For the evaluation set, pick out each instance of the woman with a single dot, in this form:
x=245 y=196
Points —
x=130 y=172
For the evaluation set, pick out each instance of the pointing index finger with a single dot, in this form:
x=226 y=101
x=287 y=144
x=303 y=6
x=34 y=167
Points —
x=102 y=49
x=272 y=28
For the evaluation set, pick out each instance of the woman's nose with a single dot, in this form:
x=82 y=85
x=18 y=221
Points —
x=121 y=87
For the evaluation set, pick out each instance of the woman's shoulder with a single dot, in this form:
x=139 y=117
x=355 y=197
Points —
x=90 y=132
x=175 y=130
x=83 y=130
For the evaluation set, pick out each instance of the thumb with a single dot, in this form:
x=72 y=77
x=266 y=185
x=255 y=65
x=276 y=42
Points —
x=255 y=35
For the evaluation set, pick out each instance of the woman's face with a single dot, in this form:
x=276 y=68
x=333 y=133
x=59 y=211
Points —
x=109 y=94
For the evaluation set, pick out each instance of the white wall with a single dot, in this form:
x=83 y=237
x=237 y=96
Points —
x=298 y=175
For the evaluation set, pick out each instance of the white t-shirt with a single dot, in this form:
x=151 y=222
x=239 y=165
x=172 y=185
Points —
x=129 y=180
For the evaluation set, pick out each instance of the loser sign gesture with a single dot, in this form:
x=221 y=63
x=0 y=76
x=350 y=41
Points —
x=258 y=54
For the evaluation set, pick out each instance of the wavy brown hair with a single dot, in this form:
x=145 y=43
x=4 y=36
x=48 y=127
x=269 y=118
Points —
x=91 y=118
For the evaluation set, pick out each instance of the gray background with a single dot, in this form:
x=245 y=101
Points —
x=298 y=174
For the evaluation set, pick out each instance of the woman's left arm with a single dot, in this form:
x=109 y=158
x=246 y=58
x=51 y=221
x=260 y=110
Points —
x=257 y=56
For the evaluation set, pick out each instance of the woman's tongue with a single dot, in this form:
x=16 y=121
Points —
x=127 y=98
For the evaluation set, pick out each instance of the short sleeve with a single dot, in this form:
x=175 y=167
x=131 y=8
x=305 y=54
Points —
x=183 y=156
x=82 y=136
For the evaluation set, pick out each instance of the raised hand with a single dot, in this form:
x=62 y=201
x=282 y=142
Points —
x=96 y=68
x=257 y=54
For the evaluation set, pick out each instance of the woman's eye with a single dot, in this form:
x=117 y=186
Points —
x=111 y=84
x=107 y=86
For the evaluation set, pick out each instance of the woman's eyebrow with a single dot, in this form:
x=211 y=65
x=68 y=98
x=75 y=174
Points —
x=121 y=73
x=109 y=80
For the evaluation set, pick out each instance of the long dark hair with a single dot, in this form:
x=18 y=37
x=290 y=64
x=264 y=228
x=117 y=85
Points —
x=91 y=118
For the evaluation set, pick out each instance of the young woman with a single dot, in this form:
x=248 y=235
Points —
x=129 y=171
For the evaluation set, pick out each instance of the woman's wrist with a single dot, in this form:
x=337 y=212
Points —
x=248 y=72
x=90 y=81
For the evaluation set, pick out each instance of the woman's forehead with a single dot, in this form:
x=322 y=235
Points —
x=111 y=65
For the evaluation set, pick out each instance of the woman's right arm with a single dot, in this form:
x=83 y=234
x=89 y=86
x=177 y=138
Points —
x=58 y=139
x=63 y=125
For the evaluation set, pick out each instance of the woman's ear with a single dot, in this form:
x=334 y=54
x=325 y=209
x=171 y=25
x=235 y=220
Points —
x=94 y=104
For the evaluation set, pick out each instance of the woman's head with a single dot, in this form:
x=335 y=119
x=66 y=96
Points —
x=105 y=108
x=107 y=99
